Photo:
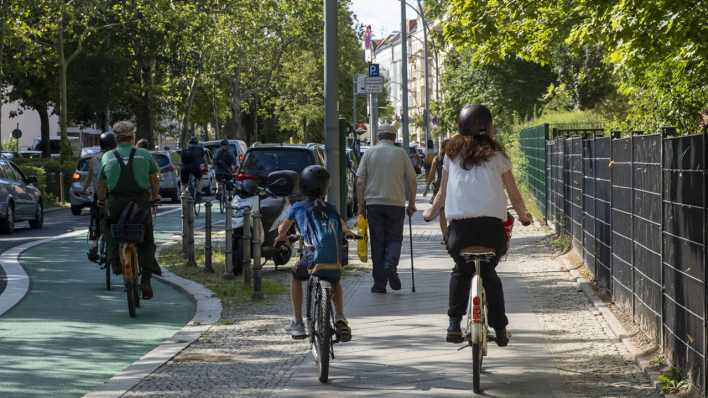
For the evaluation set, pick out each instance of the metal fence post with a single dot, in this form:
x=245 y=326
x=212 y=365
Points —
x=228 y=242
x=613 y=136
x=188 y=228
x=545 y=173
x=207 y=237
x=705 y=253
x=631 y=184
x=247 y=245
x=257 y=242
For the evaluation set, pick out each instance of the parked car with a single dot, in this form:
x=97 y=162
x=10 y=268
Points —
x=238 y=147
x=169 y=177
x=263 y=159
x=77 y=197
x=20 y=199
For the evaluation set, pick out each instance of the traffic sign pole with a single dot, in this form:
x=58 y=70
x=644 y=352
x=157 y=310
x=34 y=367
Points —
x=331 y=122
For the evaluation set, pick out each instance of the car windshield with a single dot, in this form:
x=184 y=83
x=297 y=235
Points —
x=261 y=162
x=161 y=159
x=83 y=164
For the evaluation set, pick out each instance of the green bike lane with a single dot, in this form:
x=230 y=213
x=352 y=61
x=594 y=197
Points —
x=69 y=334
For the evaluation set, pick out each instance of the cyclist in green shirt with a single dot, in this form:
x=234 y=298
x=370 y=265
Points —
x=129 y=174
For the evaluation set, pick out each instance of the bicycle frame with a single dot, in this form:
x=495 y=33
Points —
x=477 y=329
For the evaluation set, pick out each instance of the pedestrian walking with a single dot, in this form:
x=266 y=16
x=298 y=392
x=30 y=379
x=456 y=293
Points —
x=386 y=180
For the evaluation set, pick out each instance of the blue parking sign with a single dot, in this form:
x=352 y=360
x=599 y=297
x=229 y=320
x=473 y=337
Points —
x=373 y=70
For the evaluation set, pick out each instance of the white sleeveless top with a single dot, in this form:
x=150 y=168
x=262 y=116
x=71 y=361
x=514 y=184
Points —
x=477 y=192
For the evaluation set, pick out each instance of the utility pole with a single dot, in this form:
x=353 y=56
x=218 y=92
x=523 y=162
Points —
x=354 y=97
x=404 y=77
x=373 y=118
x=426 y=112
x=330 y=97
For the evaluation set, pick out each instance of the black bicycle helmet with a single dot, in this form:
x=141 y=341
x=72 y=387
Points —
x=108 y=141
x=225 y=142
x=474 y=120
x=314 y=181
x=193 y=140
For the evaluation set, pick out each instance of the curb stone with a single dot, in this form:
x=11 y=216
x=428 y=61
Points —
x=641 y=359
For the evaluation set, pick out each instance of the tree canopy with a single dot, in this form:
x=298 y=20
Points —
x=222 y=68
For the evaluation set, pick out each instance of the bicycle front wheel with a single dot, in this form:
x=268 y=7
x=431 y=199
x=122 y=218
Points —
x=477 y=357
x=324 y=334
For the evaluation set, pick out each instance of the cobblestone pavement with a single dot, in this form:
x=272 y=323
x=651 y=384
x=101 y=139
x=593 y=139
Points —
x=585 y=351
x=561 y=346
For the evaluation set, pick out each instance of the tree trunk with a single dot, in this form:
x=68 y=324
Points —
x=236 y=130
x=215 y=109
x=144 y=113
x=43 y=111
x=254 y=137
x=63 y=106
x=187 y=119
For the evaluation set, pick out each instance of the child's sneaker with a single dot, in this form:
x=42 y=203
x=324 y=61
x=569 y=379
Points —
x=296 y=329
x=343 y=331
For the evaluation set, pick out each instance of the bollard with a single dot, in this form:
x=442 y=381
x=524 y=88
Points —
x=188 y=228
x=207 y=237
x=228 y=243
x=257 y=242
x=61 y=186
x=246 y=247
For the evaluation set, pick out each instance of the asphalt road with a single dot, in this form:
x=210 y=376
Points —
x=56 y=222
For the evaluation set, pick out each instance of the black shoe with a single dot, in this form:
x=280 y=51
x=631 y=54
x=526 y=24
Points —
x=376 y=289
x=343 y=331
x=92 y=254
x=146 y=287
x=454 y=332
x=502 y=338
x=394 y=281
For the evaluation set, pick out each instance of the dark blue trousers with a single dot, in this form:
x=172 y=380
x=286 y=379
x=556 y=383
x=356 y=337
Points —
x=385 y=238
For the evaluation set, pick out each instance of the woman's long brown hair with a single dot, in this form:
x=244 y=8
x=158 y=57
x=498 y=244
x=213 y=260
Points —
x=474 y=150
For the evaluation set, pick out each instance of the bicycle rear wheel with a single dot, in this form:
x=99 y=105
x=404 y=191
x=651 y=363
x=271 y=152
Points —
x=130 y=292
x=223 y=197
x=103 y=258
x=324 y=334
x=476 y=366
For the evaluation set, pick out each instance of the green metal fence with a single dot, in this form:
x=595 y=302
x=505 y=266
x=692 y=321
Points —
x=532 y=141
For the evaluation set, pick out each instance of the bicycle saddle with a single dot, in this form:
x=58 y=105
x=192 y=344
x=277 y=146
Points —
x=478 y=251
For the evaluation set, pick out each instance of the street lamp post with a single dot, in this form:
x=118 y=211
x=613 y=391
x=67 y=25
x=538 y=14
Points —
x=404 y=74
x=331 y=122
x=404 y=77
x=426 y=112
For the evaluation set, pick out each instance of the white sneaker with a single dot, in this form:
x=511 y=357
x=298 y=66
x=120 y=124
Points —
x=296 y=329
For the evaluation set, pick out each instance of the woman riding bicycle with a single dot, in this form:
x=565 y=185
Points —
x=476 y=172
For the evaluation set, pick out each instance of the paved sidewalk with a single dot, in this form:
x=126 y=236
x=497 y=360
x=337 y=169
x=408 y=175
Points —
x=560 y=346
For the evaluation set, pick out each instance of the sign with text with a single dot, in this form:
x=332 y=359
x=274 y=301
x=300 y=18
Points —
x=369 y=85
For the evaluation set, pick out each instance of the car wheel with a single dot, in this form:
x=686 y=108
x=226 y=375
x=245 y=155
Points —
x=76 y=210
x=7 y=225
x=38 y=217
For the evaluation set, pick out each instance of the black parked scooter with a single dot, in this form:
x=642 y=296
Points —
x=273 y=203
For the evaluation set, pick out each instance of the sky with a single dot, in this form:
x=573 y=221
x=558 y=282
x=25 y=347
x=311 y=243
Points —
x=384 y=16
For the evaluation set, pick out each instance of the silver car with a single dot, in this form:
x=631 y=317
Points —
x=20 y=200
x=169 y=178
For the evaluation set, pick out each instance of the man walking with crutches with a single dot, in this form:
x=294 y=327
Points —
x=386 y=179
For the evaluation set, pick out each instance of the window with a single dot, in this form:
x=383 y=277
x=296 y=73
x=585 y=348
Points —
x=261 y=162
x=161 y=159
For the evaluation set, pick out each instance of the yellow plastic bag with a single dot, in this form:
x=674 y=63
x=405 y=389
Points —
x=362 y=246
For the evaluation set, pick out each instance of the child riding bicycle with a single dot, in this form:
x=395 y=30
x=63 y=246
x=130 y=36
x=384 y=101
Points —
x=313 y=184
x=476 y=172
